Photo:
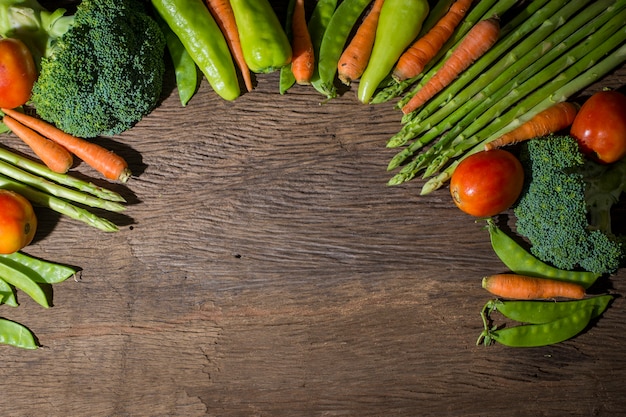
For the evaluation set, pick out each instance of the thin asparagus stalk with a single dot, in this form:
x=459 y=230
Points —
x=526 y=66
x=59 y=205
x=56 y=190
x=63 y=179
x=578 y=83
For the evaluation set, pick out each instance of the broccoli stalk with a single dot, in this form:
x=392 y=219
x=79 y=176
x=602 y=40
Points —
x=564 y=208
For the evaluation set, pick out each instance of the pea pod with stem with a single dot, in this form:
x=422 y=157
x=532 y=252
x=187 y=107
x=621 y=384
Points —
x=7 y=294
x=23 y=281
x=535 y=335
x=39 y=270
x=318 y=22
x=444 y=110
x=580 y=75
x=17 y=335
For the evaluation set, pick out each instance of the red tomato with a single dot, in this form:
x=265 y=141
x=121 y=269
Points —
x=17 y=73
x=600 y=127
x=17 y=222
x=487 y=183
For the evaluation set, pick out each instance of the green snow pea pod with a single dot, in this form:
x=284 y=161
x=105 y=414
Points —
x=7 y=294
x=537 y=312
x=39 y=270
x=534 y=335
x=194 y=25
x=520 y=261
x=320 y=17
x=185 y=69
x=23 y=281
x=263 y=40
x=335 y=37
x=399 y=23
x=15 y=334
x=287 y=79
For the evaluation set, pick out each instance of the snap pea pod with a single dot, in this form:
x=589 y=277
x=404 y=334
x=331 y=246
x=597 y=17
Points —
x=335 y=37
x=538 y=312
x=535 y=335
x=320 y=17
x=287 y=79
x=7 y=294
x=185 y=69
x=520 y=261
x=24 y=282
x=263 y=40
x=391 y=41
x=38 y=269
x=16 y=334
x=194 y=25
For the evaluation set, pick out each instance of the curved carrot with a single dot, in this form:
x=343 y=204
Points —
x=524 y=287
x=477 y=41
x=112 y=166
x=225 y=18
x=55 y=156
x=355 y=57
x=423 y=50
x=552 y=119
x=303 y=60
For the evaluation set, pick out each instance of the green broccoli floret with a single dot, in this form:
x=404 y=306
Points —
x=564 y=208
x=105 y=73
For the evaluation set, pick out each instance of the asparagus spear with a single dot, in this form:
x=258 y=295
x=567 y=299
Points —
x=63 y=179
x=508 y=83
x=589 y=76
x=57 y=204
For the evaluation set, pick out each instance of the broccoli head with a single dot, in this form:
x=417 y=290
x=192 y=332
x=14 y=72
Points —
x=105 y=73
x=564 y=208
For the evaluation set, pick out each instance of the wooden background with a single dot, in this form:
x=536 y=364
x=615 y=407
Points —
x=264 y=268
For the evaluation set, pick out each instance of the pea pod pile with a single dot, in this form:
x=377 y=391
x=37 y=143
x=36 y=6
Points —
x=543 y=322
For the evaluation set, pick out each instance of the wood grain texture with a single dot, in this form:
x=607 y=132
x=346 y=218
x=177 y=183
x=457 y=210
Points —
x=264 y=268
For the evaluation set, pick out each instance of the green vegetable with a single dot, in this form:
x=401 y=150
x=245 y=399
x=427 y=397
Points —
x=534 y=335
x=560 y=191
x=15 y=334
x=39 y=270
x=391 y=40
x=287 y=79
x=335 y=37
x=23 y=280
x=7 y=294
x=263 y=40
x=538 y=312
x=318 y=22
x=105 y=73
x=520 y=261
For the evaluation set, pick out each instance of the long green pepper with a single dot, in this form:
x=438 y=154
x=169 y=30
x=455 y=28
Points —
x=391 y=40
x=196 y=28
x=264 y=42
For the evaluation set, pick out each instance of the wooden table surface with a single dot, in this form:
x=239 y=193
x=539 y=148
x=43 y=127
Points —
x=264 y=268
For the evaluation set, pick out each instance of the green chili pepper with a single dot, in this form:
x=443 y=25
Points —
x=537 y=312
x=263 y=40
x=185 y=69
x=520 y=261
x=7 y=294
x=335 y=37
x=194 y=25
x=399 y=23
x=15 y=334
x=23 y=281
x=533 y=335
x=41 y=271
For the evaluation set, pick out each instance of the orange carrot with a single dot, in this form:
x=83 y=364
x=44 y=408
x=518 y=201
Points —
x=225 y=18
x=355 y=57
x=112 y=166
x=552 y=119
x=477 y=41
x=55 y=156
x=524 y=287
x=303 y=60
x=414 y=59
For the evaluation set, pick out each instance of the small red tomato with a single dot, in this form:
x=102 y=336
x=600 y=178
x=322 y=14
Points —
x=17 y=73
x=18 y=222
x=487 y=183
x=600 y=127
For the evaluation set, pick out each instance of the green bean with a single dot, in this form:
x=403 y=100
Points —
x=537 y=312
x=15 y=334
x=335 y=37
x=24 y=281
x=520 y=261
x=7 y=294
x=534 y=335
x=41 y=271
